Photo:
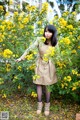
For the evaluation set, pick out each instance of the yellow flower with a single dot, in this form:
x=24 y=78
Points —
x=36 y=77
x=62 y=85
x=39 y=22
x=19 y=87
x=19 y=68
x=43 y=39
x=41 y=32
x=4 y=95
x=74 y=88
x=70 y=33
x=76 y=84
x=55 y=17
x=62 y=22
x=65 y=41
x=51 y=51
x=78 y=47
x=44 y=7
x=74 y=72
x=21 y=25
x=61 y=64
x=78 y=75
x=64 y=14
x=19 y=18
x=15 y=77
x=7 y=14
x=45 y=57
x=51 y=22
x=32 y=67
x=25 y=20
x=8 y=67
x=15 y=13
x=1 y=40
x=7 y=53
x=1 y=8
x=10 y=2
x=74 y=13
x=1 y=81
x=1 y=37
x=33 y=94
x=2 y=28
x=74 y=51
x=66 y=84
x=65 y=78
x=69 y=78
x=29 y=57
x=34 y=52
x=30 y=8
x=79 y=37
x=70 y=27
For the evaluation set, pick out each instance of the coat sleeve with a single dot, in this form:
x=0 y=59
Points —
x=31 y=47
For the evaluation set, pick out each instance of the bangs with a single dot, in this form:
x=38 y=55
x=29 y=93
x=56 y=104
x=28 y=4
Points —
x=50 y=28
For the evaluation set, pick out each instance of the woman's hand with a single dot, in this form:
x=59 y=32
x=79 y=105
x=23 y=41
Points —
x=18 y=60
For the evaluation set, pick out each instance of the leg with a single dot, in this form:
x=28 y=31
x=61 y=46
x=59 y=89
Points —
x=47 y=104
x=47 y=92
x=39 y=95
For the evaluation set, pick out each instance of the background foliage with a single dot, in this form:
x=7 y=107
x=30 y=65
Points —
x=19 y=32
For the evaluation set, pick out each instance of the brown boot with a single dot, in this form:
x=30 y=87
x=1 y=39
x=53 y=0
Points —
x=46 y=110
x=39 y=108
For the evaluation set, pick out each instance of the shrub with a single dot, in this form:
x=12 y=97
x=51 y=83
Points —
x=67 y=55
x=17 y=34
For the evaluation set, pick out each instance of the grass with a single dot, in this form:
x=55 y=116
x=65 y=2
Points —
x=24 y=108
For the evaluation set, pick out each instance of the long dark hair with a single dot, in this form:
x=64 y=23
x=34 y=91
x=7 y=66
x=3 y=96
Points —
x=53 y=30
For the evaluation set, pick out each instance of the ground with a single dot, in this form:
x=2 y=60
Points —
x=24 y=108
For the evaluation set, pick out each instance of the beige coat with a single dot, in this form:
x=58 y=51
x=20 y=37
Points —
x=45 y=70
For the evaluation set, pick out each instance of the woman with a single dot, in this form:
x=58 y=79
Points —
x=45 y=69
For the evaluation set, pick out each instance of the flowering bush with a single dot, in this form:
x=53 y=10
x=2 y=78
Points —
x=18 y=33
x=67 y=56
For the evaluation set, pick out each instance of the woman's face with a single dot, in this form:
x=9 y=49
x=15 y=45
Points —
x=48 y=34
